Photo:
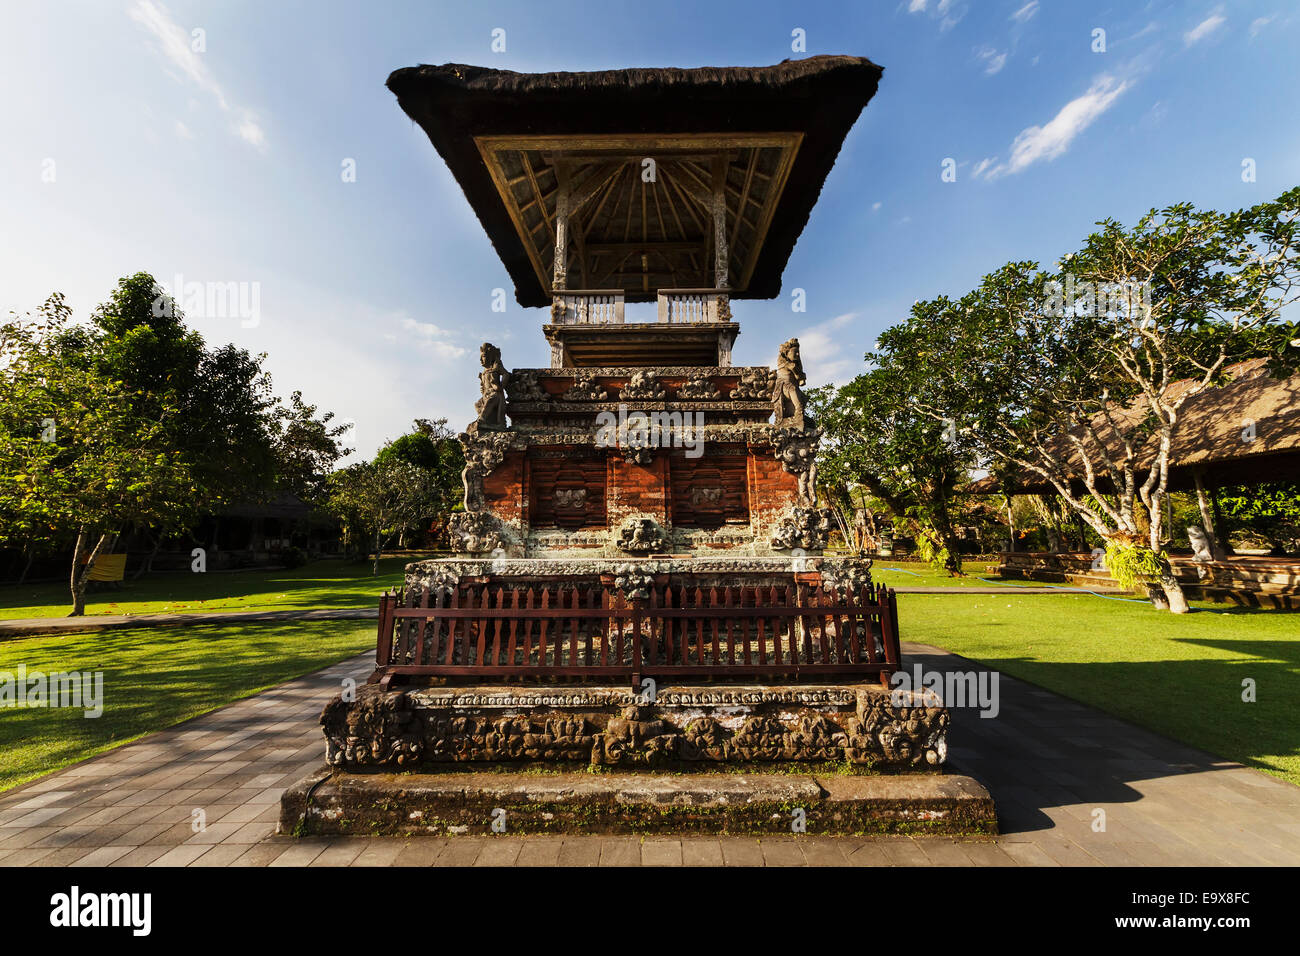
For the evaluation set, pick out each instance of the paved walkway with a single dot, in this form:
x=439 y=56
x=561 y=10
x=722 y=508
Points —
x=1050 y=763
x=27 y=626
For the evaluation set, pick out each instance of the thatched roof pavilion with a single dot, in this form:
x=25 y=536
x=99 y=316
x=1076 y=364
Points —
x=1246 y=431
x=559 y=161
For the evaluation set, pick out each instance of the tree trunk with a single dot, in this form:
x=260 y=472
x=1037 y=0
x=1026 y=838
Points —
x=30 y=553
x=378 y=545
x=81 y=573
x=1207 y=517
x=146 y=566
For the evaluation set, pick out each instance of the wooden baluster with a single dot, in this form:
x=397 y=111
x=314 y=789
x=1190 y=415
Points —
x=421 y=624
x=384 y=638
x=699 y=629
x=805 y=603
x=776 y=627
x=590 y=626
x=449 y=652
x=528 y=626
x=542 y=625
x=864 y=602
x=656 y=622
x=683 y=628
x=667 y=623
x=824 y=621
x=620 y=625
x=574 y=624
x=604 y=628
x=745 y=621
x=731 y=629
x=713 y=621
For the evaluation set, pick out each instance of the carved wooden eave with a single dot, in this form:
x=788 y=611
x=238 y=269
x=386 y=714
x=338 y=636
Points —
x=650 y=178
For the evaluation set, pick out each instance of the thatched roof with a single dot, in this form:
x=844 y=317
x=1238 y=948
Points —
x=1209 y=437
x=816 y=99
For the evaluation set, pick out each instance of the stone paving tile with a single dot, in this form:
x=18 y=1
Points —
x=461 y=851
x=301 y=852
x=865 y=853
x=379 y=852
x=582 y=851
x=741 y=851
x=823 y=850
x=259 y=854
x=661 y=851
x=181 y=855
x=419 y=852
x=540 y=851
x=103 y=856
x=341 y=852
x=701 y=851
x=620 y=851
x=219 y=856
x=781 y=851
x=499 y=853
x=23 y=857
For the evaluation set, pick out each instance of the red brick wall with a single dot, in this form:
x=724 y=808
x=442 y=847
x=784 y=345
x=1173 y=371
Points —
x=771 y=487
x=637 y=489
x=503 y=490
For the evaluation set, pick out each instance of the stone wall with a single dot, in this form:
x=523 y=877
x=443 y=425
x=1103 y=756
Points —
x=686 y=727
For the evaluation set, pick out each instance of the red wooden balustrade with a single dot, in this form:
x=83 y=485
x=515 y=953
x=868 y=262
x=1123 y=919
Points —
x=490 y=633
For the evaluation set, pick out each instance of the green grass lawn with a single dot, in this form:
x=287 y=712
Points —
x=320 y=584
x=1178 y=675
x=915 y=574
x=154 y=678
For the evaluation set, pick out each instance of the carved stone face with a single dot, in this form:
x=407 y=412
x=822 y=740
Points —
x=489 y=354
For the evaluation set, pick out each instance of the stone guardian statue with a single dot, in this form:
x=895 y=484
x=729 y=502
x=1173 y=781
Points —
x=491 y=407
x=787 y=399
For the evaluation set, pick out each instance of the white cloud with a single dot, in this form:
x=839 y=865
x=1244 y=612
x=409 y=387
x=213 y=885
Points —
x=992 y=59
x=1205 y=27
x=183 y=131
x=947 y=12
x=982 y=166
x=1025 y=13
x=822 y=351
x=1038 y=143
x=432 y=338
x=1258 y=24
x=875 y=206
x=175 y=46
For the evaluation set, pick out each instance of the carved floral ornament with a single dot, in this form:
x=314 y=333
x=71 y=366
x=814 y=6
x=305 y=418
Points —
x=398 y=729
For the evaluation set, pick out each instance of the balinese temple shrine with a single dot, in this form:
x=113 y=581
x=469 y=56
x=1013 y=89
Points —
x=641 y=579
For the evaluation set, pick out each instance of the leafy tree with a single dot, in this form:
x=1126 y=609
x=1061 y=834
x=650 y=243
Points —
x=876 y=440
x=1079 y=392
x=1271 y=511
x=77 y=455
x=434 y=447
x=306 y=449
x=383 y=497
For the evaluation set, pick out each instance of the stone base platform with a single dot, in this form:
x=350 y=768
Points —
x=700 y=728
x=510 y=801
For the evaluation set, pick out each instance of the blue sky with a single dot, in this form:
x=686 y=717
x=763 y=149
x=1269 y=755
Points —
x=126 y=149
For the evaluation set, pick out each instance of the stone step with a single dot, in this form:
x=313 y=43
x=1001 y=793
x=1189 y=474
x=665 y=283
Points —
x=455 y=803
